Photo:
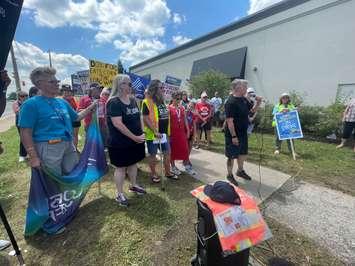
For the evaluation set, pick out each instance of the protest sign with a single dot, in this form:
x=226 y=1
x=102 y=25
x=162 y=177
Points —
x=9 y=14
x=139 y=84
x=84 y=79
x=288 y=125
x=168 y=91
x=102 y=73
x=75 y=84
x=173 y=81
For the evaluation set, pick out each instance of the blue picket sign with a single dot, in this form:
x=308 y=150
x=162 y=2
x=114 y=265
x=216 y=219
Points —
x=288 y=125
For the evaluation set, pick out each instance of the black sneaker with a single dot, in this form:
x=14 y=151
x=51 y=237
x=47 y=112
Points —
x=231 y=179
x=173 y=177
x=122 y=200
x=137 y=189
x=243 y=174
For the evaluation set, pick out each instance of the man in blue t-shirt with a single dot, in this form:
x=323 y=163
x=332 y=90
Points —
x=46 y=125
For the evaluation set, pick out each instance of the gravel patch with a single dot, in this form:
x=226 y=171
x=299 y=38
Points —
x=325 y=215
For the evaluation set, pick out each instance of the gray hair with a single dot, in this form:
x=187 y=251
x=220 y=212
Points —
x=237 y=83
x=116 y=85
x=38 y=73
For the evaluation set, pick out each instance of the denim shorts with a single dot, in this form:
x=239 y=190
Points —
x=153 y=147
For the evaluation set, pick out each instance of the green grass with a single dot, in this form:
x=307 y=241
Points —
x=103 y=233
x=157 y=229
x=319 y=163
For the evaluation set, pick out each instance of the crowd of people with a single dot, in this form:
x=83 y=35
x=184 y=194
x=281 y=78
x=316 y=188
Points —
x=48 y=119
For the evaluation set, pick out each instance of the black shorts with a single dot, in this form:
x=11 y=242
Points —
x=76 y=124
x=348 y=128
x=233 y=151
x=206 y=126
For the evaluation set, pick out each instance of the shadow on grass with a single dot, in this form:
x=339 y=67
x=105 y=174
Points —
x=4 y=259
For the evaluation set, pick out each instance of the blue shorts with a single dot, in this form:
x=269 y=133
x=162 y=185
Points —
x=153 y=147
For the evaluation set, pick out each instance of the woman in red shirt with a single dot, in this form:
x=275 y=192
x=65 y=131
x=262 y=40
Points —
x=204 y=114
x=179 y=131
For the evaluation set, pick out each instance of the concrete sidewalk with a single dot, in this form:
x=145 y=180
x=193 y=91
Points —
x=211 y=166
x=7 y=122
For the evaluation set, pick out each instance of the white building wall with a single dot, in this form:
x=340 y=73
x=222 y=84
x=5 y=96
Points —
x=309 y=49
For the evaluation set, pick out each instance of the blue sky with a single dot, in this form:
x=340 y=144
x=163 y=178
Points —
x=105 y=30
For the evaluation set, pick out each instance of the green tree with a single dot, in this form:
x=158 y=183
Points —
x=12 y=96
x=120 y=67
x=210 y=81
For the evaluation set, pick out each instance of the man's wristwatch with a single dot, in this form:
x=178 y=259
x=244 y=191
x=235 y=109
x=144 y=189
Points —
x=233 y=137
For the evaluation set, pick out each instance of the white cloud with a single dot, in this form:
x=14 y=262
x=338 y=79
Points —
x=178 y=19
x=125 y=23
x=179 y=40
x=29 y=56
x=110 y=18
x=139 y=50
x=256 y=5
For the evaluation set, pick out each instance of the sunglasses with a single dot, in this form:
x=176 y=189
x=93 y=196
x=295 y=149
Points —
x=23 y=96
x=128 y=83
x=53 y=81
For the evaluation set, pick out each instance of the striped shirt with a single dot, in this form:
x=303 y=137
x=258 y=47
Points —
x=350 y=112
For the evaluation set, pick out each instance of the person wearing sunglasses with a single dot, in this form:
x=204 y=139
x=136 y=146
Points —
x=21 y=97
x=156 y=128
x=126 y=138
x=179 y=133
x=93 y=94
x=45 y=123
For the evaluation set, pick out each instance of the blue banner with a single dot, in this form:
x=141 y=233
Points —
x=288 y=125
x=173 y=81
x=54 y=200
x=9 y=15
x=139 y=85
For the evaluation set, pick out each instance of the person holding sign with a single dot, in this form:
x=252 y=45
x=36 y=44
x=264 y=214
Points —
x=283 y=106
x=126 y=138
x=156 y=128
x=93 y=94
x=238 y=108
x=46 y=125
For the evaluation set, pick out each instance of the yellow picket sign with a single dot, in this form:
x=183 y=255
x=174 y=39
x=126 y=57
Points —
x=102 y=73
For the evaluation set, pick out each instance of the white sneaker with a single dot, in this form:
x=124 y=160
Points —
x=4 y=244
x=21 y=159
x=190 y=171
x=277 y=152
x=175 y=171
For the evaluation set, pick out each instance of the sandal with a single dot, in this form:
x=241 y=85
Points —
x=155 y=179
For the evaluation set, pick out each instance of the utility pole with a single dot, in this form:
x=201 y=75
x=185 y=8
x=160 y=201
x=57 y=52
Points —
x=14 y=64
x=50 y=58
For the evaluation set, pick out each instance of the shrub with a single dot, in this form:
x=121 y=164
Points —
x=210 y=81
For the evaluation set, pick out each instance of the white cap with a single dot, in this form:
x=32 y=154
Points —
x=250 y=90
x=204 y=94
x=285 y=94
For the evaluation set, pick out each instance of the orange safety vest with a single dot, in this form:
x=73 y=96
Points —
x=238 y=227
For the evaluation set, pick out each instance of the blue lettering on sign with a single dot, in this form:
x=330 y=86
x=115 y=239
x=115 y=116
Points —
x=288 y=125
